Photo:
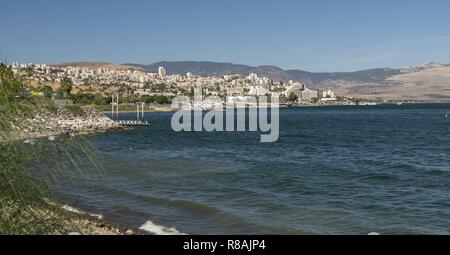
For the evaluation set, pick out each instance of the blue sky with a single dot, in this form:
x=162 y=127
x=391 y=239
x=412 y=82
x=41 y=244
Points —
x=311 y=35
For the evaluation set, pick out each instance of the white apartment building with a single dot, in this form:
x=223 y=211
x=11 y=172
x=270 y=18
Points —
x=162 y=72
x=258 y=91
x=309 y=94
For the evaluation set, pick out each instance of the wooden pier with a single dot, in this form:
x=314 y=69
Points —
x=133 y=123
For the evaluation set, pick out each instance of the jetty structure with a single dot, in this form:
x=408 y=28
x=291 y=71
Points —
x=140 y=120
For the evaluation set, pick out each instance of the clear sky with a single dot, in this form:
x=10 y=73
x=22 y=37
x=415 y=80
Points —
x=311 y=35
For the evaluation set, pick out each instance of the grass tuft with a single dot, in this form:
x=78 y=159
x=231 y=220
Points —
x=50 y=108
x=76 y=110
x=27 y=170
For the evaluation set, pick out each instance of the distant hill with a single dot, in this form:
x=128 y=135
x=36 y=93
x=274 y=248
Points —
x=204 y=68
x=198 y=68
x=372 y=75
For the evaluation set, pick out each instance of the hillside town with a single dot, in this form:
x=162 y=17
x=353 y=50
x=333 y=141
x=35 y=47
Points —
x=140 y=83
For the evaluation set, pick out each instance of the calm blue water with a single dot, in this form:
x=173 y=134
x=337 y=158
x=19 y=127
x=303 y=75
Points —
x=335 y=170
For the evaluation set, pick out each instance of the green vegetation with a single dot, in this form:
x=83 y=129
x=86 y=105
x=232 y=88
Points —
x=66 y=86
x=59 y=94
x=123 y=107
x=90 y=99
x=29 y=71
x=292 y=97
x=75 y=110
x=98 y=99
x=159 y=99
x=26 y=170
x=47 y=91
x=50 y=108
x=340 y=99
x=127 y=103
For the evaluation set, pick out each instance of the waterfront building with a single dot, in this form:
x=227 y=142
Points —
x=309 y=94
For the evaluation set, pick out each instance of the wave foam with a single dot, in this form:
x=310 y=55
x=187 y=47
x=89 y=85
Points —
x=30 y=141
x=159 y=230
x=78 y=211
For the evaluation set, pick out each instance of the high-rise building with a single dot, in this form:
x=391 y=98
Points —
x=252 y=77
x=162 y=72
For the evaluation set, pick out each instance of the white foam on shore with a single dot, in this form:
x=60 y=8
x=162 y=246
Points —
x=78 y=211
x=95 y=215
x=74 y=210
x=153 y=228
x=30 y=141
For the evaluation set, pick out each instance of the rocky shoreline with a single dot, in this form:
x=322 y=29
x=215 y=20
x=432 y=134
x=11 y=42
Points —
x=72 y=221
x=90 y=224
x=45 y=123
x=59 y=120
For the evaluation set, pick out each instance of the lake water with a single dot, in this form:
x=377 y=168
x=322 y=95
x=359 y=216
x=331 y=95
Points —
x=334 y=170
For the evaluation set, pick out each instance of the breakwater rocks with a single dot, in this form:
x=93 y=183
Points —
x=61 y=120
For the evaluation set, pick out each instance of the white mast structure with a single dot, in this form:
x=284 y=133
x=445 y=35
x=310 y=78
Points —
x=115 y=110
x=140 y=111
x=112 y=107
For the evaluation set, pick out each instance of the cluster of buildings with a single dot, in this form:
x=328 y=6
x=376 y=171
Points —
x=302 y=93
x=142 y=82
x=83 y=75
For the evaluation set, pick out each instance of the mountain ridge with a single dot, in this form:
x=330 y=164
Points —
x=209 y=68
